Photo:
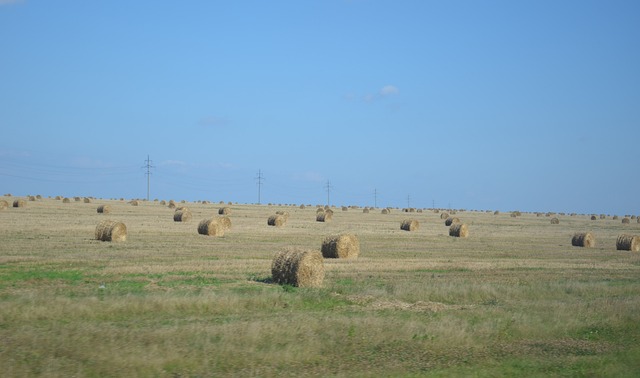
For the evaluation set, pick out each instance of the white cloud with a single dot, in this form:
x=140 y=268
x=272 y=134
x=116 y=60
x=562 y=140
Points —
x=386 y=91
x=389 y=90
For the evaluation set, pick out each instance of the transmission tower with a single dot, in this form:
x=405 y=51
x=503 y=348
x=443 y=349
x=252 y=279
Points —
x=328 y=187
x=148 y=166
x=259 y=179
x=375 y=198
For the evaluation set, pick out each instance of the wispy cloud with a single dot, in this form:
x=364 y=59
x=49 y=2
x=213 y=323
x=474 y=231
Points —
x=384 y=92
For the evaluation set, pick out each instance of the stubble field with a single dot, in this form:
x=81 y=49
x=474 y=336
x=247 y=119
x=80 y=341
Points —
x=514 y=298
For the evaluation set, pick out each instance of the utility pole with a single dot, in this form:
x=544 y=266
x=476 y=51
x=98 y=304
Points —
x=409 y=201
x=259 y=178
x=433 y=204
x=148 y=166
x=328 y=193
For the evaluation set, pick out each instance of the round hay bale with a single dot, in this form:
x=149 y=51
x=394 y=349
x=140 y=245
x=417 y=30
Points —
x=285 y=214
x=86 y=200
x=319 y=210
x=3 y=204
x=163 y=203
x=298 y=267
x=459 y=230
x=112 y=231
x=385 y=211
x=182 y=215
x=104 y=209
x=134 y=203
x=409 y=225
x=32 y=198
x=451 y=220
x=66 y=200
x=593 y=217
x=628 y=243
x=58 y=198
x=584 y=239
x=497 y=212
x=615 y=217
x=276 y=220
x=324 y=217
x=344 y=208
x=365 y=210
x=626 y=220
x=225 y=221
x=343 y=246
x=171 y=205
x=555 y=221
x=224 y=211
x=302 y=206
x=444 y=215
x=19 y=203
x=211 y=227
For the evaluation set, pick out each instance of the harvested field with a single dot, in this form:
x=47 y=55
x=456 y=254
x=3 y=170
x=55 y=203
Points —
x=514 y=298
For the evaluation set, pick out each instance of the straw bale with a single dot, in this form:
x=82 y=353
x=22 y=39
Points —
x=324 y=217
x=182 y=215
x=409 y=225
x=225 y=221
x=276 y=220
x=104 y=209
x=555 y=221
x=459 y=230
x=3 y=204
x=626 y=220
x=444 y=215
x=211 y=227
x=298 y=267
x=285 y=214
x=112 y=231
x=224 y=211
x=19 y=203
x=583 y=239
x=628 y=243
x=451 y=220
x=343 y=246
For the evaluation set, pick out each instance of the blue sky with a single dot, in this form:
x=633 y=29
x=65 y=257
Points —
x=528 y=105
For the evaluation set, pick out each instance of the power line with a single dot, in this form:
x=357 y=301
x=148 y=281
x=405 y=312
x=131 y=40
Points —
x=259 y=178
x=328 y=187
